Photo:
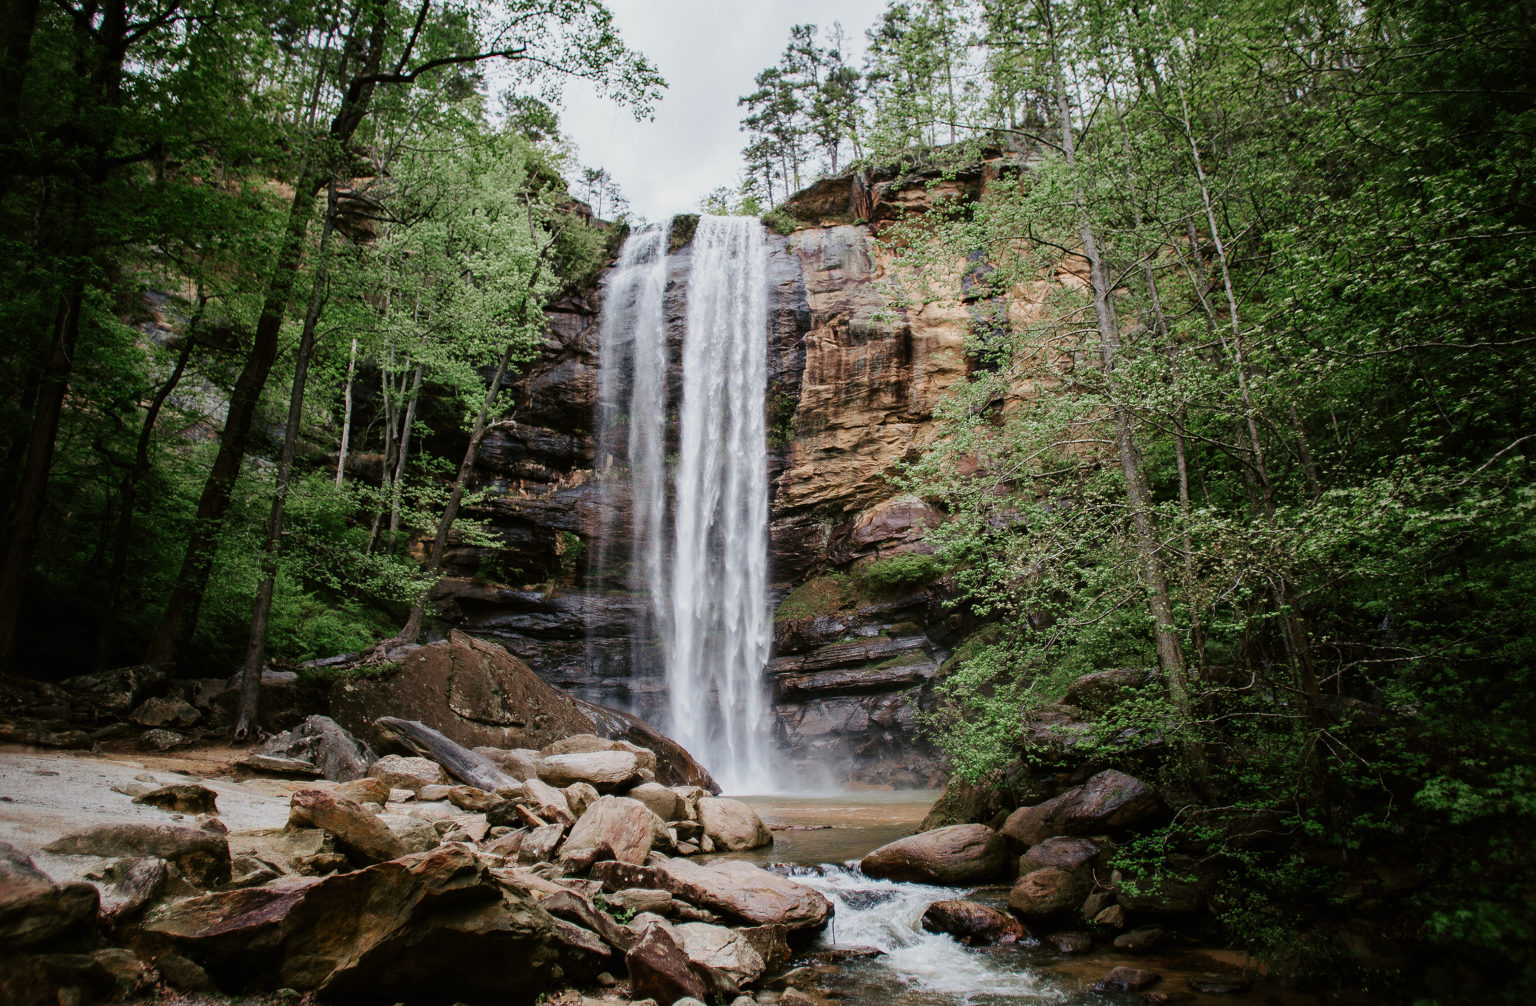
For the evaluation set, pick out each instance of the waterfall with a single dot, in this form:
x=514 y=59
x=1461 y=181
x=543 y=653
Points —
x=719 y=608
x=707 y=578
x=631 y=413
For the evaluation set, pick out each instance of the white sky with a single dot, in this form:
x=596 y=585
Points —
x=709 y=51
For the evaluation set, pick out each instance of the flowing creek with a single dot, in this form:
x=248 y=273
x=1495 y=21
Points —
x=819 y=841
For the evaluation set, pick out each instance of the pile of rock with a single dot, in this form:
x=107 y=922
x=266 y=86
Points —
x=1056 y=855
x=449 y=873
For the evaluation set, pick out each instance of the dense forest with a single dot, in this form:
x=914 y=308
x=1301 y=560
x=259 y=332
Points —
x=1266 y=463
x=1275 y=447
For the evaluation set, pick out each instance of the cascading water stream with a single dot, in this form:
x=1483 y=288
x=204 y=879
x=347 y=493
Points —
x=916 y=966
x=631 y=411
x=707 y=579
x=719 y=608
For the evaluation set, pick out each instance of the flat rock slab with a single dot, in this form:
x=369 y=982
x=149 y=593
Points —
x=360 y=834
x=605 y=771
x=736 y=889
x=201 y=855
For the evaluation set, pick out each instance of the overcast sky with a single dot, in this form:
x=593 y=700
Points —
x=709 y=51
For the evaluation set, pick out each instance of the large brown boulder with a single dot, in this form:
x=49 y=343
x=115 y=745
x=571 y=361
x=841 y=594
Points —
x=362 y=836
x=972 y=922
x=959 y=854
x=659 y=969
x=472 y=691
x=732 y=825
x=33 y=909
x=1049 y=892
x=614 y=827
x=434 y=927
x=605 y=771
x=1110 y=801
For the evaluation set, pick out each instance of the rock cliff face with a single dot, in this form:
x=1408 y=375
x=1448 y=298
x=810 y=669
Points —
x=852 y=388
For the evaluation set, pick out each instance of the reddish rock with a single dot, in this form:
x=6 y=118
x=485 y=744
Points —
x=360 y=834
x=959 y=854
x=1110 y=801
x=1061 y=852
x=434 y=926
x=202 y=855
x=660 y=970
x=614 y=827
x=972 y=922
x=1048 y=892
x=734 y=888
x=33 y=909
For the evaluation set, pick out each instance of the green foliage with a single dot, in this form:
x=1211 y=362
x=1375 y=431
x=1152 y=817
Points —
x=780 y=221
x=897 y=573
x=621 y=914
x=823 y=595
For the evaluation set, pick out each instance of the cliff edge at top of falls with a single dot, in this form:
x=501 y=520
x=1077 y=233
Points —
x=853 y=382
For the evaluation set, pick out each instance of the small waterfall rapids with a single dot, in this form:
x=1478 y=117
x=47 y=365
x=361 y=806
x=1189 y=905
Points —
x=916 y=966
x=707 y=580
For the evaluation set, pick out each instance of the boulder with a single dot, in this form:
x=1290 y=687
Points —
x=306 y=851
x=1060 y=851
x=660 y=969
x=359 y=834
x=1100 y=690
x=539 y=845
x=587 y=743
x=161 y=739
x=605 y=771
x=663 y=802
x=323 y=743
x=1124 y=979
x=732 y=825
x=958 y=854
x=472 y=691
x=1069 y=942
x=519 y=763
x=368 y=790
x=165 y=712
x=674 y=765
x=201 y=855
x=136 y=883
x=381 y=934
x=721 y=950
x=547 y=802
x=476 y=801
x=739 y=890
x=1109 y=801
x=456 y=759
x=640 y=899
x=182 y=799
x=1141 y=941
x=1048 y=892
x=110 y=695
x=614 y=827
x=33 y=909
x=580 y=796
x=401 y=772
x=414 y=834
x=1159 y=897
x=972 y=922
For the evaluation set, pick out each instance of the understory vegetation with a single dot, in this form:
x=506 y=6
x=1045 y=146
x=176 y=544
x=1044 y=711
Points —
x=261 y=264
x=1271 y=449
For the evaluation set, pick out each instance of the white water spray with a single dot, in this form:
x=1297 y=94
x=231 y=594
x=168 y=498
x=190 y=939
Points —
x=719 y=609
x=707 y=580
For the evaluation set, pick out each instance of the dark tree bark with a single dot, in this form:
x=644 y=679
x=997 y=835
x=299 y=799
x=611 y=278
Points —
x=256 y=647
x=179 y=619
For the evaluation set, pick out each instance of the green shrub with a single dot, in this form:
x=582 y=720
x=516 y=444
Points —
x=899 y=572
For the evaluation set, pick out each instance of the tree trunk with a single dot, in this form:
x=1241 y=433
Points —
x=128 y=495
x=346 y=416
x=1170 y=656
x=405 y=450
x=179 y=620
x=256 y=647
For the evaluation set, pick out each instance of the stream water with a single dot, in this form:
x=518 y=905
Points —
x=819 y=840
